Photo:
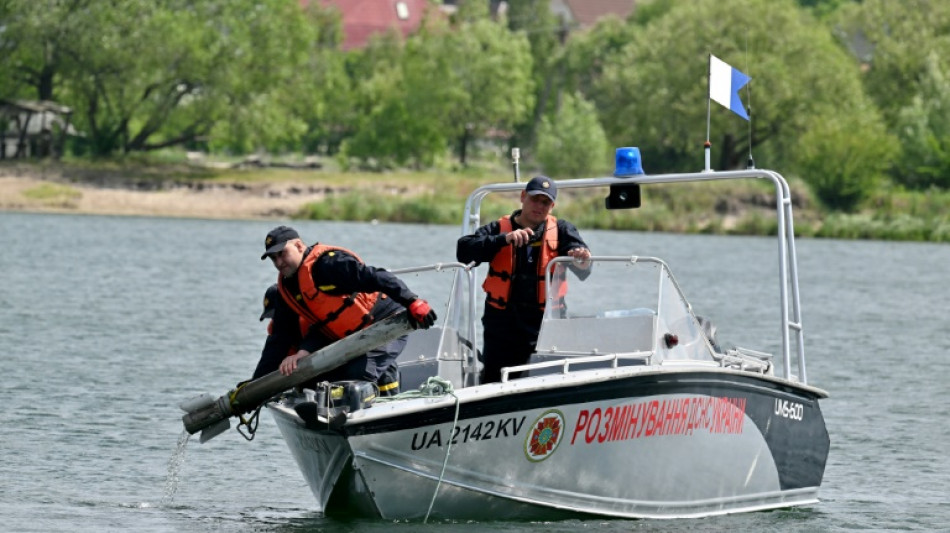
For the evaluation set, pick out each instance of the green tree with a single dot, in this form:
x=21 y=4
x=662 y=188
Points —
x=924 y=132
x=146 y=74
x=904 y=51
x=401 y=126
x=470 y=11
x=300 y=104
x=369 y=72
x=546 y=34
x=654 y=92
x=452 y=84
x=116 y=83
x=844 y=159
x=8 y=86
x=587 y=53
x=401 y=112
x=824 y=9
x=893 y=40
x=491 y=71
x=572 y=143
x=37 y=43
x=647 y=12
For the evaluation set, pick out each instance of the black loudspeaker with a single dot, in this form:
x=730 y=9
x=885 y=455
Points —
x=623 y=197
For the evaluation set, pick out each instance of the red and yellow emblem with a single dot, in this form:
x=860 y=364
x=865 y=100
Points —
x=544 y=436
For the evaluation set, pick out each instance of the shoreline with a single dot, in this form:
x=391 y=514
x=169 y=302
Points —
x=175 y=191
x=53 y=194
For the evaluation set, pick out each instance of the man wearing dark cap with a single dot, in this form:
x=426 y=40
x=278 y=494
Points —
x=518 y=248
x=326 y=293
x=271 y=295
x=270 y=358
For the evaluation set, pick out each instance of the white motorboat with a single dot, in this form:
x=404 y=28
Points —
x=629 y=407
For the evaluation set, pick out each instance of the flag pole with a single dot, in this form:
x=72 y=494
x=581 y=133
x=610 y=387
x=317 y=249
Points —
x=748 y=88
x=751 y=162
x=707 y=145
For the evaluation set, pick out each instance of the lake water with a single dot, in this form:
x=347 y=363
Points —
x=107 y=324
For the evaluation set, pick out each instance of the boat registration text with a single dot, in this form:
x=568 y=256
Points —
x=475 y=431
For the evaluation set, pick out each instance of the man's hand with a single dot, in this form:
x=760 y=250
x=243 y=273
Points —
x=421 y=315
x=289 y=364
x=581 y=256
x=519 y=237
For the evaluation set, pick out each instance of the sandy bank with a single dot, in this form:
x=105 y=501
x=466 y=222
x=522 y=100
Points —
x=20 y=192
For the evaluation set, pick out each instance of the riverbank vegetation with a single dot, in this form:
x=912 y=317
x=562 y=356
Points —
x=734 y=209
x=437 y=196
x=851 y=102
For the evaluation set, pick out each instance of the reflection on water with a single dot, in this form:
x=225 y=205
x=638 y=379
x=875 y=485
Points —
x=108 y=323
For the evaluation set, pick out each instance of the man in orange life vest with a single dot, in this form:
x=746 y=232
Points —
x=326 y=293
x=518 y=248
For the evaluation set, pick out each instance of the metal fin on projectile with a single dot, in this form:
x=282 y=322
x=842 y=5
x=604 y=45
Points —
x=211 y=432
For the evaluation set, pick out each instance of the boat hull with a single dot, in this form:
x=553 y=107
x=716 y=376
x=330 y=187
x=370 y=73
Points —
x=322 y=455
x=646 y=444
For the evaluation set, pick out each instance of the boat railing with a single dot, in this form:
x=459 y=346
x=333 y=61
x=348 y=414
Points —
x=447 y=349
x=611 y=360
x=788 y=289
x=746 y=359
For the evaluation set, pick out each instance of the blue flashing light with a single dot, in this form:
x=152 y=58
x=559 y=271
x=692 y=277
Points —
x=627 y=162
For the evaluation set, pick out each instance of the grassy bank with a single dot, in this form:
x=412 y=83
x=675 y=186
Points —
x=438 y=197
x=737 y=208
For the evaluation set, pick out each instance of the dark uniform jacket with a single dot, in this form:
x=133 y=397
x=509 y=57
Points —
x=488 y=240
x=348 y=275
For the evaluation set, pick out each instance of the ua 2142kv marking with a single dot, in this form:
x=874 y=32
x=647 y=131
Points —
x=487 y=430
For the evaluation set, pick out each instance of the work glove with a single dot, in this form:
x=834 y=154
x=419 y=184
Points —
x=421 y=315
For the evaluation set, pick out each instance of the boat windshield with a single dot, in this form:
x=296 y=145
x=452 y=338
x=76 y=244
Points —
x=626 y=305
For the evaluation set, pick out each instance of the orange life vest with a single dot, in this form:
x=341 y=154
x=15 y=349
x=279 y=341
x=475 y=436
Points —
x=337 y=315
x=497 y=283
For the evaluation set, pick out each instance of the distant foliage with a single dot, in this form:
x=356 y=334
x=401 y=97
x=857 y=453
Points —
x=572 y=143
x=844 y=161
x=904 y=50
x=653 y=91
x=893 y=41
x=850 y=95
x=924 y=131
x=898 y=228
x=448 y=87
x=360 y=206
x=824 y=8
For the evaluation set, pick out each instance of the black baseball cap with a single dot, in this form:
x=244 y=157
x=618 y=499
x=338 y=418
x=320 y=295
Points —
x=542 y=185
x=277 y=238
x=270 y=301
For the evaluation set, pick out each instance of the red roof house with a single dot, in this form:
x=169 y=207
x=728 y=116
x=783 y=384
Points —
x=584 y=13
x=363 y=18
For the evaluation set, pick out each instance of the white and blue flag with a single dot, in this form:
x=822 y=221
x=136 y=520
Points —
x=724 y=85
